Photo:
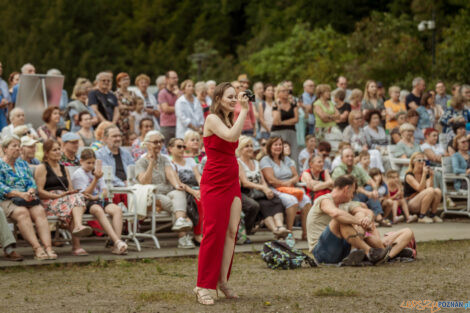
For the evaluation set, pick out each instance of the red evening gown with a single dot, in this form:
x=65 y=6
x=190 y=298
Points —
x=219 y=186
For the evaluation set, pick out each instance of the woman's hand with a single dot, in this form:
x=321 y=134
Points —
x=268 y=192
x=90 y=197
x=196 y=194
x=26 y=196
x=150 y=156
x=243 y=99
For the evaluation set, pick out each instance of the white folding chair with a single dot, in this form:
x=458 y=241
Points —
x=448 y=176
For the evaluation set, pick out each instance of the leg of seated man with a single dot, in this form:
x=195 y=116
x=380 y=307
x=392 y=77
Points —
x=350 y=234
x=331 y=248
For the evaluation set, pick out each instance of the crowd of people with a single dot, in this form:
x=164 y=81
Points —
x=294 y=152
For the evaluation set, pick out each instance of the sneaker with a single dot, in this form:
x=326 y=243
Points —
x=425 y=220
x=437 y=219
x=412 y=218
x=185 y=242
x=354 y=258
x=379 y=255
x=406 y=253
x=398 y=219
x=182 y=224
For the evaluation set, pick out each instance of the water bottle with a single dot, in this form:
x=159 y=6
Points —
x=290 y=241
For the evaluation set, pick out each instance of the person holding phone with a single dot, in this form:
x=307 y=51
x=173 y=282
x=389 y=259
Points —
x=423 y=199
x=88 y=179
x=58 y=196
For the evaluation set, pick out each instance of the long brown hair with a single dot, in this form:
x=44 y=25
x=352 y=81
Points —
x=216 y=107
x=47 y=147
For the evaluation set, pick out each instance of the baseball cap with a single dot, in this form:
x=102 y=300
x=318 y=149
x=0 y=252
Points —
x=70 y=137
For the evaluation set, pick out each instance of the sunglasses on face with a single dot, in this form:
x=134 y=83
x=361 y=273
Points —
x=181 y=146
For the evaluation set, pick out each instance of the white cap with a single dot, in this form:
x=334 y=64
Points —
x=27 y=141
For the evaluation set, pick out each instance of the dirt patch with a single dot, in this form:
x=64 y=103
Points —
x=165 y=285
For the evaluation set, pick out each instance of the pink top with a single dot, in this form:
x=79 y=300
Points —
x=167 y=119
x=250 y=120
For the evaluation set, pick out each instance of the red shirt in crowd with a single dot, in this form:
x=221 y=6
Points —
x=167 y=119
x=250 y=120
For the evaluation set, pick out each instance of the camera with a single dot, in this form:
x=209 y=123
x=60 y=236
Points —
x=250 y=95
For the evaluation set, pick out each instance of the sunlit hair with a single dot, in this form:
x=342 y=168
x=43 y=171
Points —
x=216 y=107
x=321 y=89
x=149 y=135
x=313 y=158
x=190 y=134
x=393 y=89
x=100 y=129
x=8 y=139
x=276 y=90
x=414 y=156
x=185 y=83
x=47 y=147
x=455 y=142
x=200 y=87
x=269 y=145
x=405 y=127
x=367 y=96
x=142 y=77
x=353 y=114
x=47 y=114
x=356 y=94
x=242 y=143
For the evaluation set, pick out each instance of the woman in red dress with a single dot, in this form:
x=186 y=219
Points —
x=220 y=194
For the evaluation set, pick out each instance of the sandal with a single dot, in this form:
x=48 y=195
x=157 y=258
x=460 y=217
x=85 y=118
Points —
x=79 y=252
x=203 y=296
x=120 y=248
x=40 y=254
x=227 y=291
x=385 y=223
x=85 y=231
x=52 y=255
x=281 y=232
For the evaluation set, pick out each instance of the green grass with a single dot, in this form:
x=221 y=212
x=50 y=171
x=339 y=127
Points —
x=332 y=292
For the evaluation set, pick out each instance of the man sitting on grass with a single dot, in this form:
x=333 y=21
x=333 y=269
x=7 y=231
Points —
x=334 y=224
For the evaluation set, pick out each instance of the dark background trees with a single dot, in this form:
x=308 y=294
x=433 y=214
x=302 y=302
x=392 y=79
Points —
x=270 y=40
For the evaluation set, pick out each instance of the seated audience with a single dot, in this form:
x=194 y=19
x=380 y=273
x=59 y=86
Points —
x=79 y=105
x=19 y=201
x=307 y=152
x=155 y=169
x=17 y=119
x=419 y=190
x=88 y=180
x=7 y=240
x=375 y=135
x=369 y=197
x=412 y=117
x=331 y=227
x=50 y=116
x=397 y=201
x=316 y=178
x=28 y=150
x=145 y=125
x=112 y=154
x=343 y=109
x=431 y=148
x=58 y=196
x=407 y=145
x=86 y=133
x=99 y=135
x=70 y=145
x=456 y=110
x=254 y=186
x=280 y=173
x=461 y=160
x=189 y=176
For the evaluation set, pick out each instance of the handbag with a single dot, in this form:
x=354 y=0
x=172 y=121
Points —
x=191 y=209
x=256 y=194
x=18 y=201
x=296 y=192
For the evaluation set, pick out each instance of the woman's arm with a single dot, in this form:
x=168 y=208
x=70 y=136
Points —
x=197 y=174
x=316 y=185
x=145 y=177
x=318 y=111
x=268 y=174
x=173 y=178
x=417 y=186
x=116 y=115
x=42 y=134
x=295 y=176
x=294 y=120
x=432 y=156
x=458 y=166
x=40 y=178
x=261 y=116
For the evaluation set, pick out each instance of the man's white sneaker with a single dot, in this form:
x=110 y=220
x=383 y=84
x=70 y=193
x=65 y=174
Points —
x=185 y=243
x=182 y=224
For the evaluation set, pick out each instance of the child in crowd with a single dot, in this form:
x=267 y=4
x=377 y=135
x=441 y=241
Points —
x=337 y=160
x=137 y=115
x=364 y=160
x=88 y=179
x=396 y=203
x=307 y=152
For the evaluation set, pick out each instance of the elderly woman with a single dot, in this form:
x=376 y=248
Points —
x=17 y=119
x=201 y=94
x=80 y=104
x=457 y=109
x=281 y=174
x=371 y=99
x=155 y=169
x=407 y=145
x=19 y=200
x=318 y=179
x=460 y=159
x=188 y=111
x=126 y=100
x=151 y=106
x=189 y=176
x=419 y=190
x=192 y=142
x=87 y=136
x=375 y=134
x=58 y=196
x=285 y=116
x=146 y=124
x=50 y=116
x=255 y=187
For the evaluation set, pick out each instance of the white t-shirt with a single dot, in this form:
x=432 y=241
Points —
x=437 y=149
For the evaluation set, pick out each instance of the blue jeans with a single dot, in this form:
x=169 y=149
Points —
x=330 y=249
x=372 y=204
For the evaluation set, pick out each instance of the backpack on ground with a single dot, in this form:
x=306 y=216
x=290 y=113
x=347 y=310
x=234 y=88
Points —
x=278 y=254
